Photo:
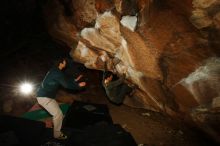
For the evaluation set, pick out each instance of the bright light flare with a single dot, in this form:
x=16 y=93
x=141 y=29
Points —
x=26 y=88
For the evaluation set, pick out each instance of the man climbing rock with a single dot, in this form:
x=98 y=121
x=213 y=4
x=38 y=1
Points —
x=116 y=90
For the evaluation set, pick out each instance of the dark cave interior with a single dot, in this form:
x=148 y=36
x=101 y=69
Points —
x=27 y=51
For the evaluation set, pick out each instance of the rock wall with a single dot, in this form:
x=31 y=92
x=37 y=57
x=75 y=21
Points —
x=168 y=49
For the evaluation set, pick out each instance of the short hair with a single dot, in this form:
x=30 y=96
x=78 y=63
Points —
x=107 y=74
x=59 y=60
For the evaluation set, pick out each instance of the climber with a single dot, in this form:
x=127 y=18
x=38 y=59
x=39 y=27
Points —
x=116 y=90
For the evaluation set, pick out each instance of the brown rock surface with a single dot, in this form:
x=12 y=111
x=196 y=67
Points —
x=171 y=45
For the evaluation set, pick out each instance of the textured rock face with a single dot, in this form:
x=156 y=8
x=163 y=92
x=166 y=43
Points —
x=114 y=41
x=204 y=82
x=174 y=64
x=204 y=12
x=205 y=17
x=203 y=3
